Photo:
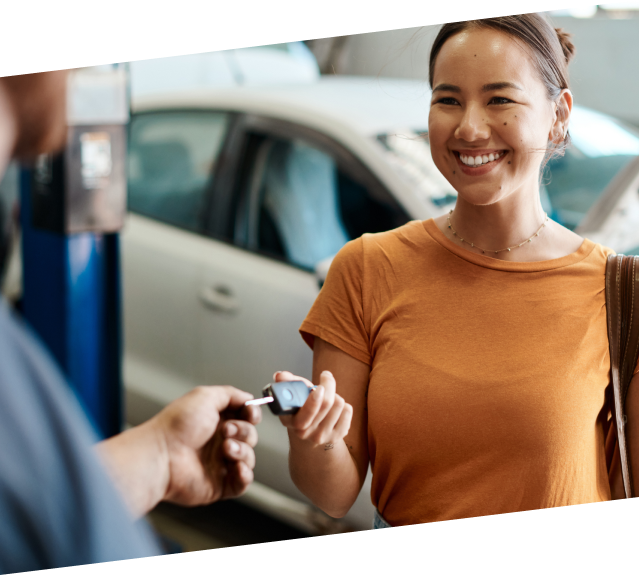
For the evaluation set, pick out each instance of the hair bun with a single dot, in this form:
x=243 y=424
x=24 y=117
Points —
x=566 y=44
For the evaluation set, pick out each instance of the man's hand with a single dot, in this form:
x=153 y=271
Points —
x=209 y=437
x=197 y=450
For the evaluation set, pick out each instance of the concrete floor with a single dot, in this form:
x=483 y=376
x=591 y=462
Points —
x=223 y=524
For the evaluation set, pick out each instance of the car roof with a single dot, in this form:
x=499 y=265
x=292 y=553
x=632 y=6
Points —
x=367 y=105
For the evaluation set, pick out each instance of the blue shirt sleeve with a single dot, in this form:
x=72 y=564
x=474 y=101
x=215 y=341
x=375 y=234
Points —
x=58 y=507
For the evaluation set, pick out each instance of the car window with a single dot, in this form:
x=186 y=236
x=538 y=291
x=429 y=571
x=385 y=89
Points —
x=408 y=153
x=601 y=148
x=171 y=158
x=305 y=207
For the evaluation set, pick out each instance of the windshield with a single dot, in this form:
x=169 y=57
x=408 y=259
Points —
x=601 y=148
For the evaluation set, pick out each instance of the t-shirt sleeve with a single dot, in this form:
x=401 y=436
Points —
x=58 y=506
x=337 y=316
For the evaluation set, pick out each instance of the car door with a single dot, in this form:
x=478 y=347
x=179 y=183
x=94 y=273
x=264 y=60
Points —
x=173 y=156
x=297 y=200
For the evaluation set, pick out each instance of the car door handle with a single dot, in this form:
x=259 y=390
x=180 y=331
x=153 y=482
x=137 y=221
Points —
x=219 y=298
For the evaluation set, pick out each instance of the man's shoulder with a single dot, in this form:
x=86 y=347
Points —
x=28 y=374
x=57 y=506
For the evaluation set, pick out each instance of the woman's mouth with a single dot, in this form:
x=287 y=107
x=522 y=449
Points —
x=478 y=163
x=480 y=160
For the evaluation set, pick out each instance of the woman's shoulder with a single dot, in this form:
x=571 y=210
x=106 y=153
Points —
x=371 y=243
x=377 y=248
x=567 y=242
x=411 y=233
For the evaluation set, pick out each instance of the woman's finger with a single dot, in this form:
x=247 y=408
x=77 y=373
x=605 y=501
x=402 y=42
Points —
x=287 y=420
x=308 y=415
x=343 y=424
x=288 y=376
x=327 y=381
x=328 y=423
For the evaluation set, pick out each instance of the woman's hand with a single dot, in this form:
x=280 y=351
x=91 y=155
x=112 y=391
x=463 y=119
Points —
x=325 y=418
x=328 y=439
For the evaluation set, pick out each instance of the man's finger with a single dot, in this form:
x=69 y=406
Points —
x=252 y=414
x=225 y=397
x=239 y=451
x=241 y=431
x=239 y=477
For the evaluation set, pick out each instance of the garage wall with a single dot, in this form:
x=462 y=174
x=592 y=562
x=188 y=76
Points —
x=604 y=72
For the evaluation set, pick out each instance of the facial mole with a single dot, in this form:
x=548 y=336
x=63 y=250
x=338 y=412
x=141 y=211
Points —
x=509 y=161
x=505 y=123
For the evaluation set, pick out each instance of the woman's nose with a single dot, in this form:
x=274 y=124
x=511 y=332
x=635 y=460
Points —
x=473 y=125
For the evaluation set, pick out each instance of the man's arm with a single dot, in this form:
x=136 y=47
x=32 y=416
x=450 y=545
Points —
x=197 y=450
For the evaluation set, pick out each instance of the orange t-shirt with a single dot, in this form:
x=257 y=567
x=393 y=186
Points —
x=486 y=391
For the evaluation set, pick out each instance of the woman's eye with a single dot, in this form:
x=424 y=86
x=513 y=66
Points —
x=500 y=100
x=448 y=101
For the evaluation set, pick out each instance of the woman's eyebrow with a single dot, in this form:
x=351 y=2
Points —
x=485 y=88
x=499 y=86
x=446 y=88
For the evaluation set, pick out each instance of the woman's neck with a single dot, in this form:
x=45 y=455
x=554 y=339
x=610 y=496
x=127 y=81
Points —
x=509 y=222
x=500 y=225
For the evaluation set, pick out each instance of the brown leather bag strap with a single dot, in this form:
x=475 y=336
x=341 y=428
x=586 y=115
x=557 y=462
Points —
x=622 y=306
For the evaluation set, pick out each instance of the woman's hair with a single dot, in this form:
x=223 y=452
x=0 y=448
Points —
x=549 y=48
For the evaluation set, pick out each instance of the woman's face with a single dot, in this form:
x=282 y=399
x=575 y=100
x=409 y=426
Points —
x=490 y=117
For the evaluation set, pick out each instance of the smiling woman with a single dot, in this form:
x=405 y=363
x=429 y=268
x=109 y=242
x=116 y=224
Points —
x=473 y=379
x=499 y=90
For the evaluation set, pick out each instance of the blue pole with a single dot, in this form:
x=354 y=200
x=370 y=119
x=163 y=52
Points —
x=71 y=297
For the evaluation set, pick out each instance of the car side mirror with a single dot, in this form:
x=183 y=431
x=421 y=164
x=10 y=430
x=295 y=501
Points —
x=321 y=270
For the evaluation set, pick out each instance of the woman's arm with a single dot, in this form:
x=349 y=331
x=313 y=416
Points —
x=328 y=456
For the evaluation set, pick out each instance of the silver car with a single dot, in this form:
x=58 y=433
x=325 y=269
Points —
x=239 y=198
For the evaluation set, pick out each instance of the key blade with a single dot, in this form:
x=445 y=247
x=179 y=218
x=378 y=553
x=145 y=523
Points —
x=259 y=401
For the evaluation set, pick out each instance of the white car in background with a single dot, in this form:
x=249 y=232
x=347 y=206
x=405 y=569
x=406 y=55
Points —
x=288 y=63
x=240 y=197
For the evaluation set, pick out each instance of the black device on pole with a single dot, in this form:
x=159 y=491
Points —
x=83 y=189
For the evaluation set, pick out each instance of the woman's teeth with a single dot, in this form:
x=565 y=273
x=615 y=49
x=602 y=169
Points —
x=480 y=160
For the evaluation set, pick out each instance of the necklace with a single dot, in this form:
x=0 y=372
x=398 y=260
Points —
x=483 y=251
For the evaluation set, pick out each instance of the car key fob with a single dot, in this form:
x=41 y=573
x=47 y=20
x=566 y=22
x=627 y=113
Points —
x=288 y=396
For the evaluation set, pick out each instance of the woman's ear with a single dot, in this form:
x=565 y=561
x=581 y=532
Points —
x=563 y=109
